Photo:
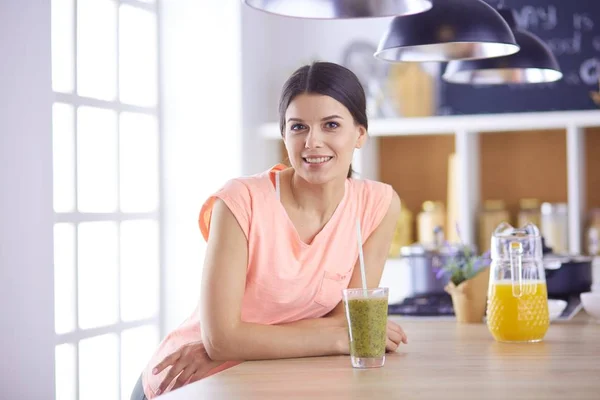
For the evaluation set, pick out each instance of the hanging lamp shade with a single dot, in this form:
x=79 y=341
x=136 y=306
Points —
x=450 y=30
x=340 y=9
x=534 y=63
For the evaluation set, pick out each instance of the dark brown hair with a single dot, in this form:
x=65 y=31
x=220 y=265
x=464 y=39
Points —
x=326 y=79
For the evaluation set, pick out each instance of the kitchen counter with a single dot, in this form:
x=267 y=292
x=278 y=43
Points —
x=442 y=360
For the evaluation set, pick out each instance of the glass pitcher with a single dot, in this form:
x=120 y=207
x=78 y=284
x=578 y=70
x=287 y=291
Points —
x=517 y=309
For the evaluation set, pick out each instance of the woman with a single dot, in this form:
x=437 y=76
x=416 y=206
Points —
x=282 y=244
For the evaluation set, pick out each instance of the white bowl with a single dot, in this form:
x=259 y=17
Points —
x=591 y=303
x=556 y=307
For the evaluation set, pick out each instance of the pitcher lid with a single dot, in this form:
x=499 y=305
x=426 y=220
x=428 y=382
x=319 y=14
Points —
x=506 y=230
x=506 y=237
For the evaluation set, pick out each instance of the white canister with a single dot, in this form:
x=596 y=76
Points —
x=555 y=226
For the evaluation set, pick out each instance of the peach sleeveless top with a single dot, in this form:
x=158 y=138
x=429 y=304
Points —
x=286 y=279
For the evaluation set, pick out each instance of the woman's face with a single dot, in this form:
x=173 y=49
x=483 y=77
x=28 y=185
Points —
x=320 y=137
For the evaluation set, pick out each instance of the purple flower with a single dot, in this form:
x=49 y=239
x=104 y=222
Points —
x=458 y=233
x=440 y=273
x=482 y=261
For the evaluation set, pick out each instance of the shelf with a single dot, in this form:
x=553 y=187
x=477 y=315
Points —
x=398 y=157
x=530 y=165
x=471 y=123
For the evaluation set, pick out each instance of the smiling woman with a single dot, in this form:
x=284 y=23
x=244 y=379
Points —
x=318 y=87
x=281 y=245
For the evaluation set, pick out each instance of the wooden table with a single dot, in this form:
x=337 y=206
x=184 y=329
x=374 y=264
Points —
x=442 y=360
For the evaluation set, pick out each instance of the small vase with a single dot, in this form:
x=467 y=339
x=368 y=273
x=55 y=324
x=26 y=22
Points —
x=469 y=298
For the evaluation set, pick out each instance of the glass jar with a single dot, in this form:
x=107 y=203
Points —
x=592 y=237
x=555 y=227
x=403 y=235
x=529 y=212
x=493 y=214
x=430 y=220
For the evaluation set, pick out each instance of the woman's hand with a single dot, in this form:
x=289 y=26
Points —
x=395 y=336
x=188 y=364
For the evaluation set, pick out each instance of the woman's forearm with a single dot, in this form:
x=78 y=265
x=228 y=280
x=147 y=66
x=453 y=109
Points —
x=308 y=338
x=329 y=321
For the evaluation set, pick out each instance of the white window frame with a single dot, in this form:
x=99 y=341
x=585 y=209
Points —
x=76 y=217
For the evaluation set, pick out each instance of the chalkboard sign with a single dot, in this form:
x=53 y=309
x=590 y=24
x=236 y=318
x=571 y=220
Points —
x=571 y=28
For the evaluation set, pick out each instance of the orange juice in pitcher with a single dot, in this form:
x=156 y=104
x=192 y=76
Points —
x=517 y=309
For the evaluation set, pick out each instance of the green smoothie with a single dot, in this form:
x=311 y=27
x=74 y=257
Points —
x=367 y=326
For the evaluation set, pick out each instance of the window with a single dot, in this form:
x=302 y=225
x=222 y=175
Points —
x=106 y=194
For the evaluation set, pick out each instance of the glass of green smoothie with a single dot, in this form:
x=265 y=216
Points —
x=366 y=312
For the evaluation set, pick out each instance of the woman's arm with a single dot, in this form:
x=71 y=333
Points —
x=377 y=248
x=227 y=337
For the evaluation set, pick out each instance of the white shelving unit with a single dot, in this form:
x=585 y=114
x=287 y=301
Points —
x=466 y=130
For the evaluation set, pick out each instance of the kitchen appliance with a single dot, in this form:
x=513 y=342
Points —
x=424 y=262
x=567 y=276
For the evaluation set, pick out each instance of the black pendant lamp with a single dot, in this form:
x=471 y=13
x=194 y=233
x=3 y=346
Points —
x=450 y=30
x=340 y=9
x=534 y=63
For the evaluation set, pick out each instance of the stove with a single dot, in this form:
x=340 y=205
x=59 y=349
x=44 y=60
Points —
x=424 y=305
